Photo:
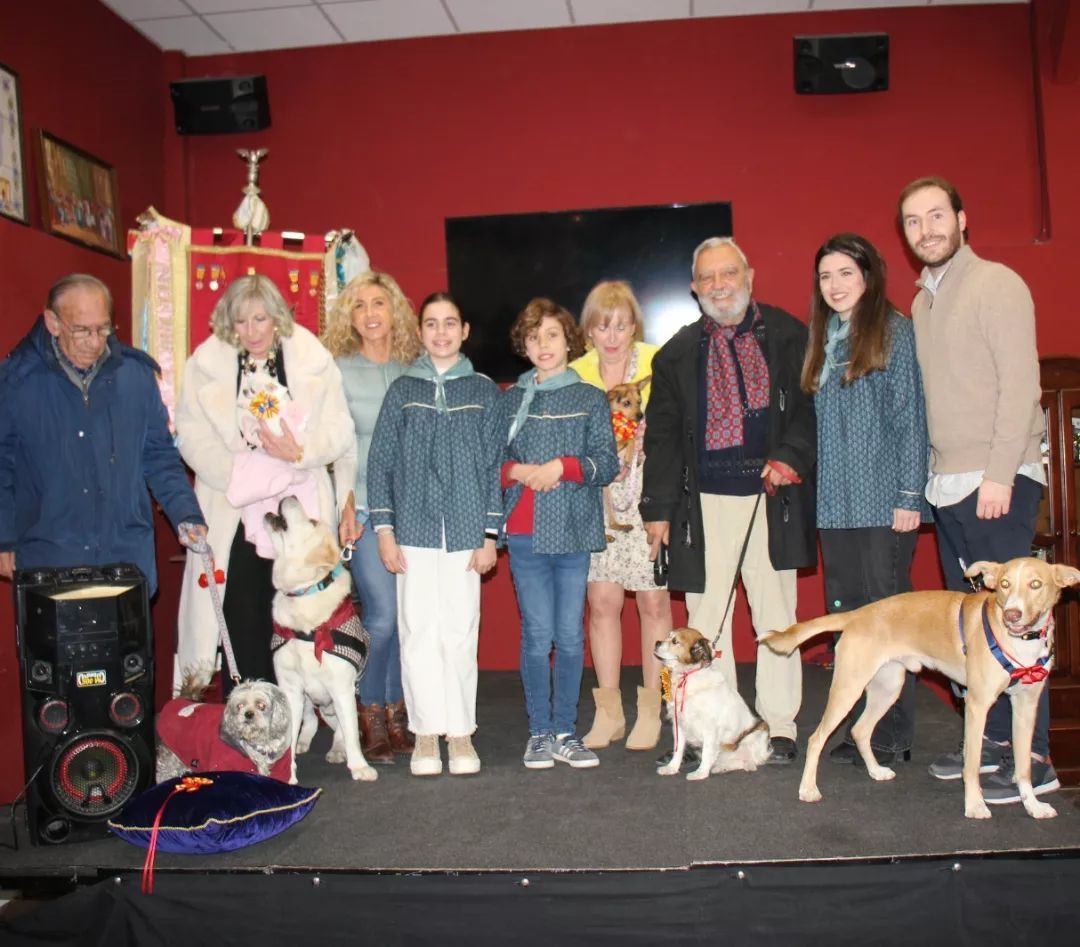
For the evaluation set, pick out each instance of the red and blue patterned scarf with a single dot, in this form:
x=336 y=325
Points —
x=724 y=417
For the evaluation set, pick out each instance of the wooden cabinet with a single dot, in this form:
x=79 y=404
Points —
x=1057 y=538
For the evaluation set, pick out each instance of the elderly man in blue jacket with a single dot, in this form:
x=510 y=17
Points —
x=83 y=433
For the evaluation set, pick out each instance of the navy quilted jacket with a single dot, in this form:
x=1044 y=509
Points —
x=427 y=468
x=574 y=421
x=873 y=452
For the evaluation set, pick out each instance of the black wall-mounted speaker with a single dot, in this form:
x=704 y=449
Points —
x=86 y=663
x=220 y=106
x=832 y=65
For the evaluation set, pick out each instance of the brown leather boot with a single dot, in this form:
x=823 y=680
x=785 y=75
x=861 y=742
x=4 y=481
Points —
x=373 y=737
x=397 y=728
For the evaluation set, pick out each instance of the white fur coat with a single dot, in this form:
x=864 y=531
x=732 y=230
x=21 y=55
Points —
x=208 y=437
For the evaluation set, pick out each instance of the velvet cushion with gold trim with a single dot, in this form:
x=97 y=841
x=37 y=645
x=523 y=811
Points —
x=233 y=811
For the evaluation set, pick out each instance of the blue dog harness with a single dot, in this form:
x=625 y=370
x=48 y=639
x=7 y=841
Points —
x=1018 y=674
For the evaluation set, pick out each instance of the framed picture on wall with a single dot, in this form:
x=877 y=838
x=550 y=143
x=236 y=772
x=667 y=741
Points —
x=78 y=195
x=12 y=172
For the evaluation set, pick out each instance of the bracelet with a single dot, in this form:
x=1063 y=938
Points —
x=299 y=455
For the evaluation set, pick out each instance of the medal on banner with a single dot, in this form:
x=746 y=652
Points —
x=200 y=275
x=215 y=270
x=251 y=271
x=313 y=280
x=294 y=280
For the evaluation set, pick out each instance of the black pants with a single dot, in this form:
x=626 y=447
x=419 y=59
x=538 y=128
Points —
x=962 y=535
x=249 y=594
x=862 y=566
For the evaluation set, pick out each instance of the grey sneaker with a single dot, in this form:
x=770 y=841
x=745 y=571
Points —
x=538 y=751
x=570 y=750
x=951 y=765
x=999 y=787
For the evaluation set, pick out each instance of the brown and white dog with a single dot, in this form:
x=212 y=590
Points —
x=952 y=633
x=625 y=401
x=705 y=711
x=319 y=645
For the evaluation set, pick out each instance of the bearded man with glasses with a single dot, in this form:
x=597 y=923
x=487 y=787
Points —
x=83 y=433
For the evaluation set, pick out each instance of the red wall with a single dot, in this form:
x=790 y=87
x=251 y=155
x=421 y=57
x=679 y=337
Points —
x=92 y=80
x=390 y=138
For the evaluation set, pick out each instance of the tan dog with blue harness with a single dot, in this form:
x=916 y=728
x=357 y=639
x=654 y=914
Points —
x=992 y=642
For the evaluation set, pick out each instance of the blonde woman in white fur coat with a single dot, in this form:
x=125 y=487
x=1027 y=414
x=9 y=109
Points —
x=262 y=413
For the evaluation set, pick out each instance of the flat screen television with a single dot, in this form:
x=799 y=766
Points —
x=496 y=264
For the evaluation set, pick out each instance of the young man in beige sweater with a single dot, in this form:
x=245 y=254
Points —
x=975 y=342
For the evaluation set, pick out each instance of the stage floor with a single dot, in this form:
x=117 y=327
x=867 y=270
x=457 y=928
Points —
x=619 y=816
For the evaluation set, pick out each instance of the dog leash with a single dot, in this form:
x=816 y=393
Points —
x=739 y=564
x=634 y=475
x=202 y=548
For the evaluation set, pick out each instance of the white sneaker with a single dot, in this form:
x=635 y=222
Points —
x=426 y=759
x=463 y=758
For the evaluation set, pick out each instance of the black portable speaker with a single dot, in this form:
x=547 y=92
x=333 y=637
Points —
x=220 y=106
x=831 y=65
x=86 y=662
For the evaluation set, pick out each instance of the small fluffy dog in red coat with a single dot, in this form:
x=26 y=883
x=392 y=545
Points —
x=705 y=711
x=249 y=733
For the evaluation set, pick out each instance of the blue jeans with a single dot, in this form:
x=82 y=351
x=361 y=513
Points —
x=962 y=535
x=377 y=591
x=551 y=599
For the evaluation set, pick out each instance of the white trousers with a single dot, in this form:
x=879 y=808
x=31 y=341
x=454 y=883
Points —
x=439 y=627
x=770 y=594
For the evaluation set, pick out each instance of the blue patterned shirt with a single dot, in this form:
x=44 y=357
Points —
x=873 y=451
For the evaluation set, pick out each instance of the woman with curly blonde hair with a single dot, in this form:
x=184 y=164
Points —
x=372 y=334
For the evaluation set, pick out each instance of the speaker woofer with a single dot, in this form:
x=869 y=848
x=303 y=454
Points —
x=126 y=709
x=94 y=774
x=54 y=715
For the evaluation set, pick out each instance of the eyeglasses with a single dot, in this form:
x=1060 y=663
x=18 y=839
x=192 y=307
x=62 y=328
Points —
x=82 y=333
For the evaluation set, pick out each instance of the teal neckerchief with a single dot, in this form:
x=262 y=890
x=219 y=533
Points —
x=531 y=386
x=836 y=332
x=424 y=368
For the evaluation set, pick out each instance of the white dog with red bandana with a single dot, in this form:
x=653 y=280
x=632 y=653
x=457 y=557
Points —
x=706 y=711
x=319 y=645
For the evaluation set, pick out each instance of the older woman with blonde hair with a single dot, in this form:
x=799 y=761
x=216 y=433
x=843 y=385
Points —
x=372 y=333
x=261 y=415
x=616 y=353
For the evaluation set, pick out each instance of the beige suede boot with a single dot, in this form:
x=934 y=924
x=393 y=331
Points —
x=609 y=723
x=646 y=732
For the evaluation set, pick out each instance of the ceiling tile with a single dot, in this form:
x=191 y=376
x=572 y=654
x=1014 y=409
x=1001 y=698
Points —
x=389 y=19
x=186 y=33
x=242 y=6
x=627 y=11
x=746 y=7
x=485 y=16
x=148 y=9
x=275 y=29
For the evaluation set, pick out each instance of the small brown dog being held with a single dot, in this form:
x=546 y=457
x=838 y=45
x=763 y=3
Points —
x=625 y=401
x=950 y=632
x=706 y=711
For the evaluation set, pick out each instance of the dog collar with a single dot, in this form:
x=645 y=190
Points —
x=1018 y=674
x=323 y=583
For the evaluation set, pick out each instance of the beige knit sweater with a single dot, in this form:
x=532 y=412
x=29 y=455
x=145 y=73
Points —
x=975 y=342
